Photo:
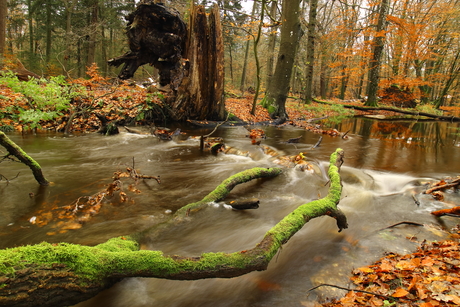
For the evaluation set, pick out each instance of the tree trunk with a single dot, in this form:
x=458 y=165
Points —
x=157 y=35
x=16 y=151
x=3 y=14
x=201 y=94
x=246 y=55
x=375 y=63
x=291 y=32
x=92 y=36
x=310 y=51
x=64 y=274
x=256 y=57
x=271 y=46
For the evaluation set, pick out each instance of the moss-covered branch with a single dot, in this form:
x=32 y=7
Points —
x=14 y=150
x=71 y=273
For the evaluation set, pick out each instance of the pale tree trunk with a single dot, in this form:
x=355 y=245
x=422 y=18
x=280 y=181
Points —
x=291 y=31
x=246 y=55
x=3 y=14
x=49 y=29
x=310 y=51
x=256 y=57
x=92 y=36
x=375 y=62
x=271 y=46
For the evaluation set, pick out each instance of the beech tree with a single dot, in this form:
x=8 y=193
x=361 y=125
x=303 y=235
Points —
x=291 y=32
x=377 y=51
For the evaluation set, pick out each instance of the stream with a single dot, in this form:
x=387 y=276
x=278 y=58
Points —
x=387 y=164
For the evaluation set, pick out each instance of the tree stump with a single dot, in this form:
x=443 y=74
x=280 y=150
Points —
x=190 y=62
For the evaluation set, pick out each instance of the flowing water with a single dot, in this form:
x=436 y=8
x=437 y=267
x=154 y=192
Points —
x=386 y=165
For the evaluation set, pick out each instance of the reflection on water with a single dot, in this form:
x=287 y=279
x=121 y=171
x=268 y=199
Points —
x=385 y=165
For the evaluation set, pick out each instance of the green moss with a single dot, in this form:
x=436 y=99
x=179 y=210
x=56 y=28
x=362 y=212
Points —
x=85 y=261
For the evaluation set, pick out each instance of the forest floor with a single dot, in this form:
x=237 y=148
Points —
x=428 y=277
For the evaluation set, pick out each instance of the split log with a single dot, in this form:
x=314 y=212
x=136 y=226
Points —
x=64 y=274
x=14 y=150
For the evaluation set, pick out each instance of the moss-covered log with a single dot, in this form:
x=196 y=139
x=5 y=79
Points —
x=63 y=274
x=14 y=150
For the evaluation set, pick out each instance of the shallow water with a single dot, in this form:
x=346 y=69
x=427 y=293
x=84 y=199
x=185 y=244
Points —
x=384 y=167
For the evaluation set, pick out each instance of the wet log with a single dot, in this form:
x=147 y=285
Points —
x=64 y=274
x=14 y=150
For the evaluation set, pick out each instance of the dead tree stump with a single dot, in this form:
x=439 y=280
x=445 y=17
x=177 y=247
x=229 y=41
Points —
x=190 y=62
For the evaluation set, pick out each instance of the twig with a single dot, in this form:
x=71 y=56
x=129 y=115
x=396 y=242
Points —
x=454 y=183
x=415 y=200
x=209 y=134
x=400 y=223
x=355 y=290
x=317 y=143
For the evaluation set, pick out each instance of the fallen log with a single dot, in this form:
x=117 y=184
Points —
x=396 y=110
x=14 y=150
x=64 y=274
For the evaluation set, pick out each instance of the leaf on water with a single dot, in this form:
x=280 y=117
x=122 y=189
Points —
x=123 y=197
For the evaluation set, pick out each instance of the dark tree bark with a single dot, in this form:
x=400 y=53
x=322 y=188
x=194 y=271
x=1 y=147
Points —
x=64 y=274
x=190 y=62
x=156 y=36
x=16 y=151
x=201 y=93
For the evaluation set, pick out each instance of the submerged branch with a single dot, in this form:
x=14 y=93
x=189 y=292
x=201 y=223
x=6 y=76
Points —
x=14 y=150
x=64 y=274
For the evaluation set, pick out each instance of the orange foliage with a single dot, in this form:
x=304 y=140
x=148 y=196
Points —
x=428 y=277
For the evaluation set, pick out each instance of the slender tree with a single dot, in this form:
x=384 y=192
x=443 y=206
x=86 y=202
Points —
x=376 y=60
x=310 y=50
x=3 y=14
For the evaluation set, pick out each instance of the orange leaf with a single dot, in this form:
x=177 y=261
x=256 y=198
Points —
x=400 y=292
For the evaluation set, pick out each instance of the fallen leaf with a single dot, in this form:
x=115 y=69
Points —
x=400 y=292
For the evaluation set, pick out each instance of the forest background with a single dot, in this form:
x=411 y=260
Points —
x=344 y=50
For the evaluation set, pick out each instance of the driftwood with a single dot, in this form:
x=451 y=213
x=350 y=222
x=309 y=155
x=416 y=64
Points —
x=14 y=150
x=65 y=274
x=396 y=110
